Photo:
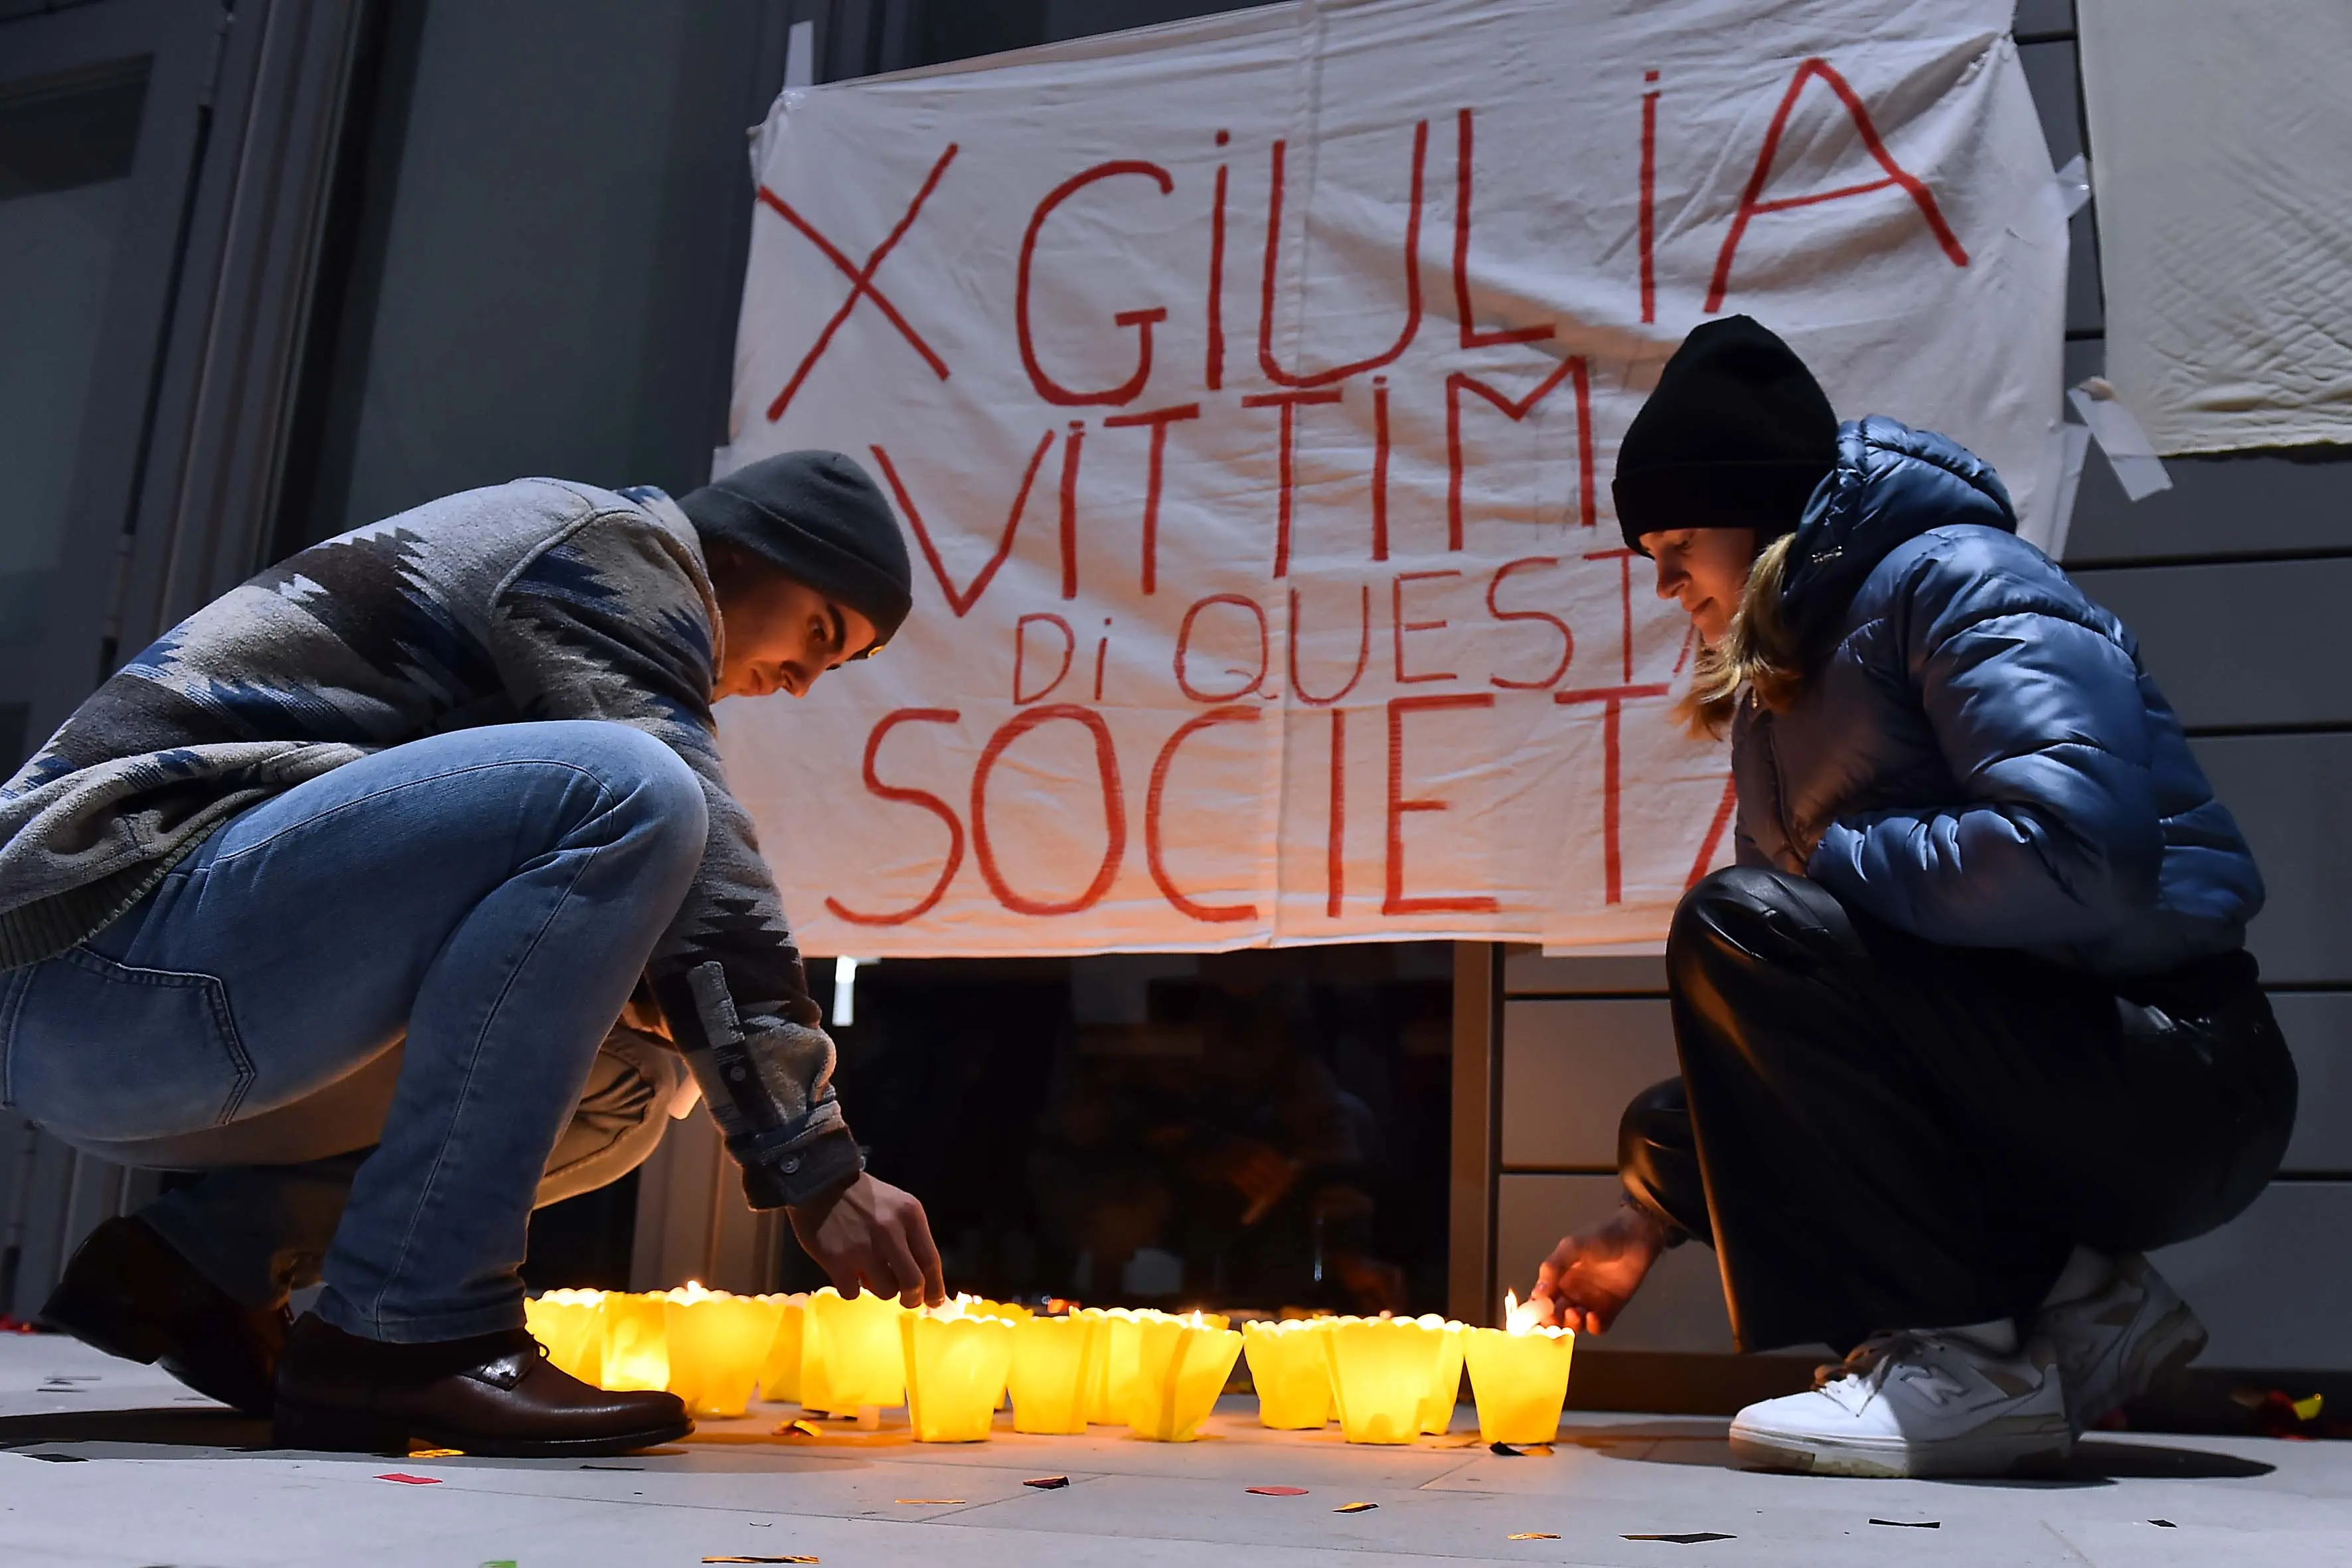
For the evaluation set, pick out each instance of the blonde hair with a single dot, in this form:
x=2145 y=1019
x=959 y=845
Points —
x=1760 y=653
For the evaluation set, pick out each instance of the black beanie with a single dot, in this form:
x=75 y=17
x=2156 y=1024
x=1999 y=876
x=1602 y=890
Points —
x=820 y=518
x=1737 y=435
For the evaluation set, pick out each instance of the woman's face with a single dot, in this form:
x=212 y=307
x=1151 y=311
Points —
x=1704 y=570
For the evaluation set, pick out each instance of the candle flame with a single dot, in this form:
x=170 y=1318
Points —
x=1521 y=1318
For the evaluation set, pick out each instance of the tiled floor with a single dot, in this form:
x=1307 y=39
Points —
x=108 y=1464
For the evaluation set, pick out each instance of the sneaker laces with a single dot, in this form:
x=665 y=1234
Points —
x=1863 y=1375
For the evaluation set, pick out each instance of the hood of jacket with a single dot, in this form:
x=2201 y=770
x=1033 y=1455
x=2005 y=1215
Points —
x=1891 y=484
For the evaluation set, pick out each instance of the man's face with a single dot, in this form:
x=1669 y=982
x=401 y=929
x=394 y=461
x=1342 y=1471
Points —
x=781 y=634
x=1704 y=570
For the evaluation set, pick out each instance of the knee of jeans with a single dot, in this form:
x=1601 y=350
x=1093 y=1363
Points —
x=652 y=789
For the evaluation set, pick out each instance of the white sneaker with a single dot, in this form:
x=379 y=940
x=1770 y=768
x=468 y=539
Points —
x=1916 y=1403
x=2115 y=1343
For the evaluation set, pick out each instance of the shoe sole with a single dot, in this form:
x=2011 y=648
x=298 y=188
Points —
x=364 y=1432
x=1998 y=1448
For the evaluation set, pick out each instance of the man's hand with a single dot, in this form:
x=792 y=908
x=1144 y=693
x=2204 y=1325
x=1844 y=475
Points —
x=868 y=1232
x=1588 y=1277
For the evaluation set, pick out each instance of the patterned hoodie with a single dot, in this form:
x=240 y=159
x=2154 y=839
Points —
x=539 y=599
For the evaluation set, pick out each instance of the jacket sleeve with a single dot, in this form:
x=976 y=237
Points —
x=2055 y=837
x=606 y=621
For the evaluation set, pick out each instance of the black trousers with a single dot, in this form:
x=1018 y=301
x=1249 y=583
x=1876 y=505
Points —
x=1878 y=1132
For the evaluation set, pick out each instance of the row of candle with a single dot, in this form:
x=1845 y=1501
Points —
x=1388 y=1379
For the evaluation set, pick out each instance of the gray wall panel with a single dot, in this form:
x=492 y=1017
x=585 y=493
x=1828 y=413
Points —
x=2254 y=503
x=2290 y=795
x=1568 y=1070
x=1526 y=971
x=1680 y=1307
x=2274 y=1286
x=2232 y=645
x=2319 y=1028
x=2044 y=17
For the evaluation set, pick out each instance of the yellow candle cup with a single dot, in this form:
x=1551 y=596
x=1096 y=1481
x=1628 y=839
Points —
x=718 y=1343
x=956 y=1367
x=636 y=1342
x=1381 y=1374
x=570 y=1324
x=1446 y=1387
x=1056 y=1364
x=1520 y=1374
x=850 y=1354
x=1181 y=1365
x=1113 y=1388
x=1291 y=1372
x=780 y=1372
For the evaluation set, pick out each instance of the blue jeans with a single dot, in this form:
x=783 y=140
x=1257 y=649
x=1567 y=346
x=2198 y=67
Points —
x=492 y=895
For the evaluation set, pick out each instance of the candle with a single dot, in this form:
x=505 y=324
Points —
x=1291 y=1373
x=1011 y=1311
x=1519 y=1374
x=1381 y=1374
x=1446 y=1389
x=636 y=1342
x=779 y=1372
x=1114 y=1384
x=569 y=1323
x=1056 y=1364
x=1181 y=1365
x=957 y=1362
x=852 y=1359
x=718 y=1343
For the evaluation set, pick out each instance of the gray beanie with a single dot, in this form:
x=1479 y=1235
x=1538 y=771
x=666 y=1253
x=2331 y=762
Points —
x=820 y=518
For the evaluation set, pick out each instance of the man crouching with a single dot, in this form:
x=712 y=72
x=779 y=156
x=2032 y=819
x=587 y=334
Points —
x=338 y=894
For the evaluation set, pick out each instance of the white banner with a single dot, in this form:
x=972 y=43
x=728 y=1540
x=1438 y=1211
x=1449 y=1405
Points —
x=1250 y=389
x=2222 y=151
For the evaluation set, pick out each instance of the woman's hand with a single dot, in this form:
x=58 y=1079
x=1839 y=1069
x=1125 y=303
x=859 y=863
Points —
x=1588 y=1277
x=869 y=1233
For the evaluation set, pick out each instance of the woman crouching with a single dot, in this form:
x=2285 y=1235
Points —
x=1971 y=1025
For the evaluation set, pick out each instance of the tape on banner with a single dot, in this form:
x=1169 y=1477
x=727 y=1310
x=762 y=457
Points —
x=2138 y=468
x=2074 y=184
x=2075 y=446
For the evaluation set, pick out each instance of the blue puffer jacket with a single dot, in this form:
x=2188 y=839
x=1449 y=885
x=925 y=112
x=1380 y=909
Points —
x=1978 y=758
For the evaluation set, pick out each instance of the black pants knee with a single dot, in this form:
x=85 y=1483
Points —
x=1878 y=1132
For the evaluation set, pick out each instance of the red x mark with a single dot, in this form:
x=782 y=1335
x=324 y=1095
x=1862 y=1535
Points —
x=861 y=283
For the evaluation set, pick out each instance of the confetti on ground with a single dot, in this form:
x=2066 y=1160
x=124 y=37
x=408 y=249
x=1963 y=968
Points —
x=1534 y=1536
x=436 y=1453
x=1048 y=1483
x=807 y=1428
x=1691 y=1540
x=1910 y=1524
x=1355 y=1508
x=1278 y=1491
x=612 y=1467
x=759 y=1560
x=1504 y=1450
x=411 y=1481
x=60 y=1458
x=2163 y=1524
x=926 y=1501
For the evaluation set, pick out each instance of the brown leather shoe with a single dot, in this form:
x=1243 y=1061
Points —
x=494 y=1394
x=128 y=1293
